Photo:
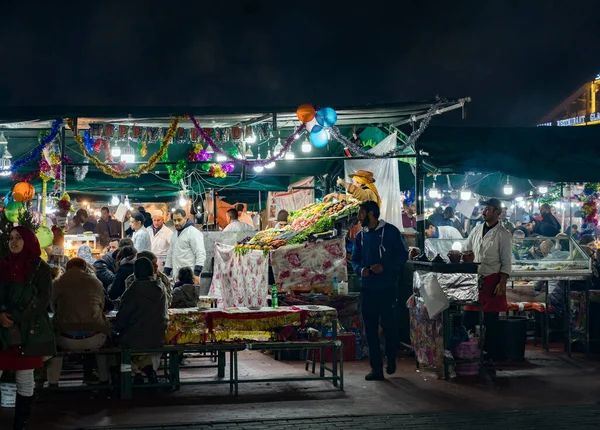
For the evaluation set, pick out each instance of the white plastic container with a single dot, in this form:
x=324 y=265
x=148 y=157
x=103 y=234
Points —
x=343 y=288
x=8 y=395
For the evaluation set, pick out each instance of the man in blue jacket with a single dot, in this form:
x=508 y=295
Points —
x=378 y=257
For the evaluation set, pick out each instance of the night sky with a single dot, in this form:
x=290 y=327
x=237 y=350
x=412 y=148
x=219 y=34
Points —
x=517 y=60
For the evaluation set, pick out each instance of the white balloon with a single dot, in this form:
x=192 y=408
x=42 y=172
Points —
x=310 y=124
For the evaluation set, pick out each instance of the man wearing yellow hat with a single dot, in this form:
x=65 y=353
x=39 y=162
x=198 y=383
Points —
x=362 y=188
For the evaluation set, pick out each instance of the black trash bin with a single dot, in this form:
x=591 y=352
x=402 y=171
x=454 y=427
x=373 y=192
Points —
x=512 y=338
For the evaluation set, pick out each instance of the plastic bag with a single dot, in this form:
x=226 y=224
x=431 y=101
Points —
x=433 y=296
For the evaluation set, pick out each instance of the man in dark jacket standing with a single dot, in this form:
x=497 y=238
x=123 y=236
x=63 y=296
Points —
x=378 y=257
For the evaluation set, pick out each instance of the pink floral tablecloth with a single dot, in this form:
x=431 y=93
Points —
x=309 y=264
x=239 y=280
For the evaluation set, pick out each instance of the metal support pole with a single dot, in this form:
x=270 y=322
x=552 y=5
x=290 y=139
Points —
x=420 y=199
x=63 y=166
x=214 y=195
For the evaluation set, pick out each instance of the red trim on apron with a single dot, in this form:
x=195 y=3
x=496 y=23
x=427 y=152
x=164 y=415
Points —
x=489 y=301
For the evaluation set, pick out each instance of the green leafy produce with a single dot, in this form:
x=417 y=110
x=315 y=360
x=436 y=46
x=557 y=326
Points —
x=324 y=223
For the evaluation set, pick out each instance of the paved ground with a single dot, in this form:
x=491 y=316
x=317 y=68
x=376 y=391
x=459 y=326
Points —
x=546 y=381
x=581 y=418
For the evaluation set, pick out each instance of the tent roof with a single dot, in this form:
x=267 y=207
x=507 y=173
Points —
x=559 y=154
x=213 y=116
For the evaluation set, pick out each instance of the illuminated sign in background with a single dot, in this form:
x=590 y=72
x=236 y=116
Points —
x=576 y=120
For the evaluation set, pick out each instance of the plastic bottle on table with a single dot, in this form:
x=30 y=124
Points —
x=274 y=297
x=335 y=285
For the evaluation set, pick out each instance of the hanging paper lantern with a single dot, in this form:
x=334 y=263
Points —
x=12 y=211
x=326 y=117
x=305 y=112
x=23 y=192
x=45 y=236
x=319 y=136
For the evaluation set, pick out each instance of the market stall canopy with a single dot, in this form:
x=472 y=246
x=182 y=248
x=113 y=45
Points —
x=559 y=154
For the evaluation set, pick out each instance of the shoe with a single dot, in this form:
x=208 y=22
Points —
x=374 y=376
x=22 y=411
x=390 y=369
x=151 y=374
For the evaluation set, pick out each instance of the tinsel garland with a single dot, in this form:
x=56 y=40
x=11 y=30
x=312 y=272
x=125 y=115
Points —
x=218 y=150
x=357 y=149
x=28 y=177
x=37 y=151
x=81 y=172
x=589 y=209
x=115 y=172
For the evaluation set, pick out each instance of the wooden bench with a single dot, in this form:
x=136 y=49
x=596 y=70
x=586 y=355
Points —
x=337 y=375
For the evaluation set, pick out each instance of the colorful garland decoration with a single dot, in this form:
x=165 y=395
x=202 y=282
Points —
x=218 y=150
x=589 y=210
x=357 y=149
x=119 y=171
x=45 y=139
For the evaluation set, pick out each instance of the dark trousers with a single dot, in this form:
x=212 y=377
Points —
x=491 y=321
x=377 y=308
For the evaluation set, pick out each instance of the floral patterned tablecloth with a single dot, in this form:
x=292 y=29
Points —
x=239 y=280
x=309 y=264
x=426 y=335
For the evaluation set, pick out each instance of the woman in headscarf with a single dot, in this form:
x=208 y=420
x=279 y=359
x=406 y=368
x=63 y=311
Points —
x=25 y=332
x=362 y=188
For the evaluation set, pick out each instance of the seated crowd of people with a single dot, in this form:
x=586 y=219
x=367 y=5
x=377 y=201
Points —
x=123 y=280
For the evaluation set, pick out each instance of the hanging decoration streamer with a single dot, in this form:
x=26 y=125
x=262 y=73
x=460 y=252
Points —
x=116 y=172
x=218 y=150
x=47 y=139
x=28 y=177
x=589 y=210
x=357 y=149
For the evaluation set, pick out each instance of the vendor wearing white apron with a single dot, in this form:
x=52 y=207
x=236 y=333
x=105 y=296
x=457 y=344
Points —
x=491 y=244
x=160 y=236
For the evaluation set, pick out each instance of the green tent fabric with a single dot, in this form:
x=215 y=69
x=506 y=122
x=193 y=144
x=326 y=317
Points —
x=568 y=154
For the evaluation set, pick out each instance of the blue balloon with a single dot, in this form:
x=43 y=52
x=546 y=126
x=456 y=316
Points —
x=8 y=198
x=319 y=136
x=326 y=117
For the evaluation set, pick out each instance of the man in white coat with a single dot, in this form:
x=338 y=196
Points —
x=160 y=235
x=187 y=247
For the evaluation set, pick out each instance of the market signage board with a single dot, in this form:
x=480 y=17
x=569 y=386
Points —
x=576 y=120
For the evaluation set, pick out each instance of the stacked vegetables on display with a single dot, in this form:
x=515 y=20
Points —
x=312 y=219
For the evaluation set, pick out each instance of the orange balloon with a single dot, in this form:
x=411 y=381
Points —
x=23 y=192
x=306 y=112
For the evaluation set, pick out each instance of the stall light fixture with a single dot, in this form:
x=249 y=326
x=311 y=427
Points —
x=173 y=209
x=290 y=155
x=465 y=194
x=182 y=201
x=115 y=201
x=542 y=189
x=278 y=148
x=258 y=168
x=272 y=163
x=436 y=204
x=508 y=188
x=221 y=158
x=115 y=150
x=249 y=153
x=5 y=166
x=128 y=154
x=126 y=202
x=3 y=140
x=433 y=192
x=519 y=199
x=250 y=137
x=209 y=149
x=306 y=146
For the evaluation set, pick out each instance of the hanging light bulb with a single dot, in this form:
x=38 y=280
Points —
x=5 y=166
x=128 y=154
x=115 y=201
x=115 y=150
x=250 y=136
x=249 y=153
x=290 y=155
x=433 y=192
x=209 y=149
x=3 y=140
x=542 y=189
x=182 y=201
x=221 y=158
x=465 y=194
x=126 y=202
x=306 y=146
x=272 y=163
x=258 y=168
x=519 y=199
x=278 y=148
x=508 y=188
